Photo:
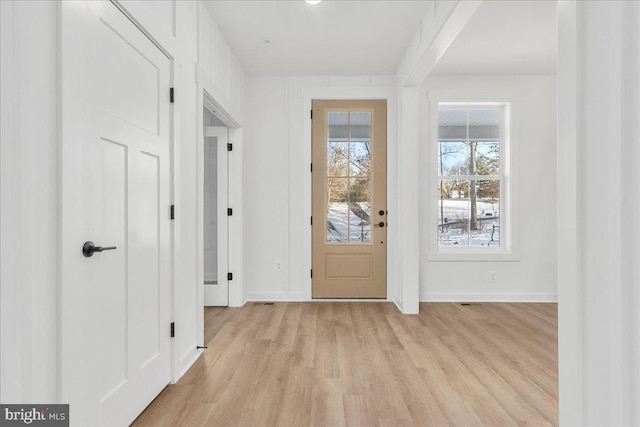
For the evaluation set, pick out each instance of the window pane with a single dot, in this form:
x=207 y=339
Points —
x=360 y=210
x=338 y=125
x=360 y=139
x=453 y=158
x=337 y=158
x=360 y=125
x=485 y=207
x=484 y=124
x=360 y=163
x=453 y=212
x=337 y=210
x=452 y=124
x=487 y=158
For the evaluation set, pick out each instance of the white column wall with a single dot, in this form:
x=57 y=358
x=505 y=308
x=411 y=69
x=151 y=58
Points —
x=599 y=98
x=409 y=221
x=439 y=27
x=29 y=202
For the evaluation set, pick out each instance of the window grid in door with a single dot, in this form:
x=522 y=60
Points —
x=348 y=176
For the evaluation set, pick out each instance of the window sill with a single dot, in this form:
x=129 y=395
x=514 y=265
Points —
x=473 y=256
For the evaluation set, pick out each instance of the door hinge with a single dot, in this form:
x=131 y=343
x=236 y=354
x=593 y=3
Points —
x=171 y=96
x=311 y=115
x=311 y=167
x=173 y=329
x=229 y=211
x=312 y=273
x=229 y=147
x=229 y=276
x=311 y=221
x=172 y=214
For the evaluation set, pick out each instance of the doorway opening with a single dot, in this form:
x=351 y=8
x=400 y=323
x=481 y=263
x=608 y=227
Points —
x=215 y=212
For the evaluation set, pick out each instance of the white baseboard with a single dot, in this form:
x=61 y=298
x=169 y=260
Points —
x=487 y=297
x=301 y=297
x=190 y=357
x=397 y=304
x=276 y=296
x=424 y=297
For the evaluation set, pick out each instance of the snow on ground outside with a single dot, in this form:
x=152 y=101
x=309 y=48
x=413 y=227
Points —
x=456 y=210
x=337 y=224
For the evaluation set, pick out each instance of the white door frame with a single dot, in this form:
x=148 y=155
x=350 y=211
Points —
x=208 y=96
x=354 y=93
x=169 y=46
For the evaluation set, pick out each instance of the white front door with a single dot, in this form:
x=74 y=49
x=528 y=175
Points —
x=115 y=305
x=216 y=285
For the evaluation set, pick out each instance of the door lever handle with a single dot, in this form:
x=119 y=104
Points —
x=89 y=248
x=380 y=224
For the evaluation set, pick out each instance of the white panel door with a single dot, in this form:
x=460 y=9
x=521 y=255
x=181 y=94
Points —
x=115 y=305
x=216 y=243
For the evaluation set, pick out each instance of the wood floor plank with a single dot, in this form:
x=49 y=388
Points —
x=365 y=364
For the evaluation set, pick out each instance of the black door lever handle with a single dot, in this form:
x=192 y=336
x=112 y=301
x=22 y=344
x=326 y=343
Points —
x=89 y=248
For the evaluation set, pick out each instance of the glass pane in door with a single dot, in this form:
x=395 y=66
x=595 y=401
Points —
x=337 y=210
x=360 y=210
x=348 y=177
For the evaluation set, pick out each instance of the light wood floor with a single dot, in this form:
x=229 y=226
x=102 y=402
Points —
x=365 y=364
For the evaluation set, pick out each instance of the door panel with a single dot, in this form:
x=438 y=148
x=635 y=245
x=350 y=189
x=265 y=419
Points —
x=349 y=192
x=148 y=292
x=115 y=317
x=114 y=294
x=129 y=89
x=348 y=266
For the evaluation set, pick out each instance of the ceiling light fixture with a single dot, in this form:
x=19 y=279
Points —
x=312 y=1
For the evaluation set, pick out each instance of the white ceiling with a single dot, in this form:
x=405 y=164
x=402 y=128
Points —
x=337 y=37
x=505 y=37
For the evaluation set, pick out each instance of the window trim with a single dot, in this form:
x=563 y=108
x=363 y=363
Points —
x=507 y=251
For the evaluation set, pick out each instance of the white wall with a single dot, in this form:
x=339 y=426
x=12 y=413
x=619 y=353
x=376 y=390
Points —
x=277 y=180
x=599 y=273
x=29 y=180
x=220 y=65
x=29 y=194
x=530 y=274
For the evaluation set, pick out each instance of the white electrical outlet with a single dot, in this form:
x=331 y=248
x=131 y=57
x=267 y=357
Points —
x=278 y=266
x=492 y=276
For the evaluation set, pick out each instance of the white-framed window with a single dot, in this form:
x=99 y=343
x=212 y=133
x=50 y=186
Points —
x=472 y=195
